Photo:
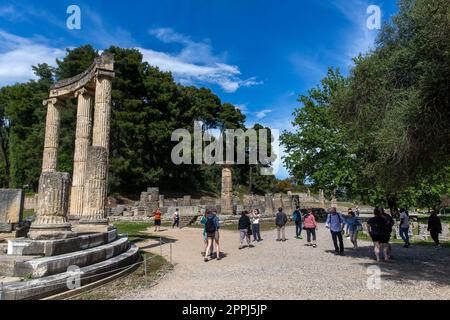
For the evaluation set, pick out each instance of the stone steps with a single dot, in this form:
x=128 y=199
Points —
x=41 y=267
x=48 y=248
x=46 y=286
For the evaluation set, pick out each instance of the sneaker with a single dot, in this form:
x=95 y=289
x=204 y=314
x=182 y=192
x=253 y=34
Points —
x=300 y=237
x=314 y=245
x=278 y=240
x=206 y=260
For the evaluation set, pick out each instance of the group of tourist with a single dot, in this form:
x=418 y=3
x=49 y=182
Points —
x=379 y=227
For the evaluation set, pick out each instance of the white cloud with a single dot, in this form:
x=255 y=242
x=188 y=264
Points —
x=195 y=62
x=360 y=39
x=263 y=113
x=241 y=106
x=18 y=55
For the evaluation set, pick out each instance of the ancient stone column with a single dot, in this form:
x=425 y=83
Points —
x=51 y=216
x=321 y=198
x=51 y=143
x=82 y=142
x=227 y=190
x=94 y=200
x=94 y=207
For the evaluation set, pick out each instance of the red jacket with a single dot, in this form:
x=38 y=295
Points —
x=310 y=222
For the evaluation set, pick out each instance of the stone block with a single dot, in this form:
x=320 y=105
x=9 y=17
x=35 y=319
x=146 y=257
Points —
x=11 y=206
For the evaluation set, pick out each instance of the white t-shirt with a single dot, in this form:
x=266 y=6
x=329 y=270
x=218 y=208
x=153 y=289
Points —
x=405 y=218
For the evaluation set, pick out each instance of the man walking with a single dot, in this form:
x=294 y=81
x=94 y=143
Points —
x=297 y=218
x=176 y=219
x=404 y=227
x=280 y=221
x=335 y=223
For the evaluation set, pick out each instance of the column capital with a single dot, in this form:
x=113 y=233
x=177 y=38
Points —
x=54 y=101
x=100 y=73
x=83 y=91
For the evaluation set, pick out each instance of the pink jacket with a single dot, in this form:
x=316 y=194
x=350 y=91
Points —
x=309 y=222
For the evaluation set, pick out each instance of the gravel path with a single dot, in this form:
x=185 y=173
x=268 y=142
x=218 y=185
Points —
x=290 y=270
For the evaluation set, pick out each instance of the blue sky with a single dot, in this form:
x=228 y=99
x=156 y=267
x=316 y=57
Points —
x=257 y=54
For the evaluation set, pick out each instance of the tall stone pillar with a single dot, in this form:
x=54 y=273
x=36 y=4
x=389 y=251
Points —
x=51 y=143
x=227 y=190
x=51 y=217
x=321 y=198
x=82 y=142
x=94 y=209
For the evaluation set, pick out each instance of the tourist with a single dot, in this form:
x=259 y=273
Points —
x=205 y=238
x=378 y=227
x=297 y=218
x=335 y=223
x=244 y=227
x=176 y=219
x=157 y=217
x=347 y=233
x=391 y=224
x=354 y=226
x=404 y=227
x=212 y=227
x=310 y=225
x=435 y=227
x=280 y=221
x=256 y=225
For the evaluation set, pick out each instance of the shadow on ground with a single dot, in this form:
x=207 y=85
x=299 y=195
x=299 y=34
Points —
x=417 y=263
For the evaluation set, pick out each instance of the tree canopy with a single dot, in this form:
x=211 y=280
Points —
x=384 y=129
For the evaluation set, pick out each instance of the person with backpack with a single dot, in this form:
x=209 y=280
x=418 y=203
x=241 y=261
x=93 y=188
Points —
x=310 y=225
x=335 y=223
x=244 y=227
x=297 y=218
x=404 y=227
x=176 y=219
x=280 y=221
x=212 y=227
x=256 y=227
x=354 y=226
x=378 y=227
x=435 y=228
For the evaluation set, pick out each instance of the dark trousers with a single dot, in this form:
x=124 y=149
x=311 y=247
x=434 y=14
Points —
x=176 y=222
x=435 y=236
x=298 y=228
x=256 y=232
x=336 y=236
x=310 y=232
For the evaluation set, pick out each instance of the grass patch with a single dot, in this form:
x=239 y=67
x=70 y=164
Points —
x=156 y=266
x=27 y=213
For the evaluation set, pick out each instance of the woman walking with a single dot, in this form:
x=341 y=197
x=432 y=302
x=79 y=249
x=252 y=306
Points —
x=435 y=227
x=244 y=226
x=212 y=235
x=353 y=226
x=378 y=228
x=310 y=225
x=256 y=215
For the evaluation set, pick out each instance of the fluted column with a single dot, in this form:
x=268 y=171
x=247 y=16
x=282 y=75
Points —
x=51 y=217
x=82 y=142
x=51 y=143
x=94 y=210
x=227 y=190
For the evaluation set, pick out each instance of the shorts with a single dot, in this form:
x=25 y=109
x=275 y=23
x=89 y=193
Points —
x=381 y=238
x=213 y=235
x=157 y=222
